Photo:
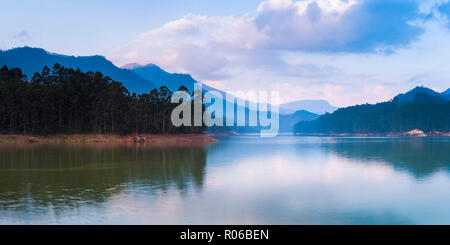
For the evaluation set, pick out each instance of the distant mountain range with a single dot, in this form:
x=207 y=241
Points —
x=288 y=122
x=160 y=77
x=31 y=60
x=421 y=108
x=315 y=106
x=131 y=66
x=143 y=78
x=135 y=77
x=420 y=111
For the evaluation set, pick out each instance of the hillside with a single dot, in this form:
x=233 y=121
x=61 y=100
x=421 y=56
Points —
x=420 y=108
x=32 y=60
x=142 y=79
x=419 y=93
x=160 y=77
x=287 y=122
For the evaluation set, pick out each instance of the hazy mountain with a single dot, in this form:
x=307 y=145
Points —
x=446 y=93
x=32 y=60
x=287 y=122
x=419 y=110
x=131 y=66
x=138 y=78
x=418 y=93
x=160 y=77
x=173 y=81
x=314 y=106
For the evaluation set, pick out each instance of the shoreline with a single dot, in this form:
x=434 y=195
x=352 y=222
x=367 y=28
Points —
x=147 y=139
x=412 y=133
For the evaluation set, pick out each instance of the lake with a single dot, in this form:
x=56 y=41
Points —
x=239 y=180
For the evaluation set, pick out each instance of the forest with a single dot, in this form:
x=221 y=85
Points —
x=67 y=101
x=425 y=112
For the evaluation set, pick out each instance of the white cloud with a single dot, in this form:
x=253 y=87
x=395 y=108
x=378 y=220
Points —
x=312 y=49
x=306 y=24
x=23 y=37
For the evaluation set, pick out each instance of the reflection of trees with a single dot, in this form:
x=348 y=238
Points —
x=59 y=176
x=421 y=156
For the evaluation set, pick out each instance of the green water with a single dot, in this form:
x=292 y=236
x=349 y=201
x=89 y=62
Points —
x=239 y=180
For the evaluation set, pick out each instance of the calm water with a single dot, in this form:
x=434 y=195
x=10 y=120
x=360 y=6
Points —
x=240 y=180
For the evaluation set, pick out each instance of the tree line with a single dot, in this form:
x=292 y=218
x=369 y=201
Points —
x=425 y=112
x=67 y=101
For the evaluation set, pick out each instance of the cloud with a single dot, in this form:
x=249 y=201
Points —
x=310 y=25
x=338 y=26
x=444 y=9
x=345 y=51
x=22 y=37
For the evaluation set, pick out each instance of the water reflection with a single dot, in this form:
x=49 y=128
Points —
x=239 y=180
x=422 y=157
x=37 y=177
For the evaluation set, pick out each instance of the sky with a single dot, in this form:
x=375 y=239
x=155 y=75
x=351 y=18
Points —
x=344 y=51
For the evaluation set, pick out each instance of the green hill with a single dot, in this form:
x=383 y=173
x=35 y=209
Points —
x=427 y=111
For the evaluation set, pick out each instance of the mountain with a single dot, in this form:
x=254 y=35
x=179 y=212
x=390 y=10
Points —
x=161 y=78
x=418 y=93
x=446 y=93
x=175 y=80
x=418 y=110
x=143 y=78
x=32 y=60
x=131 y=66
x=287 y=122
x=315 y=106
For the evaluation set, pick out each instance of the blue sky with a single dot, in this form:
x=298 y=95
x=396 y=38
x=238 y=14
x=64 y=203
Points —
x=345 y=51
x=86 y=27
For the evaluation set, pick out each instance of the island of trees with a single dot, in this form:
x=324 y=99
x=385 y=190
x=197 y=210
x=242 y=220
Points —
x=421 y=109
x=67 y=101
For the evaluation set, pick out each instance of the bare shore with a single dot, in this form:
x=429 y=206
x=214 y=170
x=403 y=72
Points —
x=151 y=139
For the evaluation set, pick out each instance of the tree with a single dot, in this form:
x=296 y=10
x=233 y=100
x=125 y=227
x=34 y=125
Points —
x=66 y=101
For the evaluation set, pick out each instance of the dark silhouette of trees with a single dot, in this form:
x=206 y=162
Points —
x=68 y=101
x=425 y=112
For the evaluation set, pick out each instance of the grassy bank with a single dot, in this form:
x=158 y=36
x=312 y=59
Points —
x=152 y=139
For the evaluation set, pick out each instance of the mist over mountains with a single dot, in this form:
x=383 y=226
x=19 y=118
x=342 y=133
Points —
x=315 y=106
x=135 y=77
x=420 y=108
